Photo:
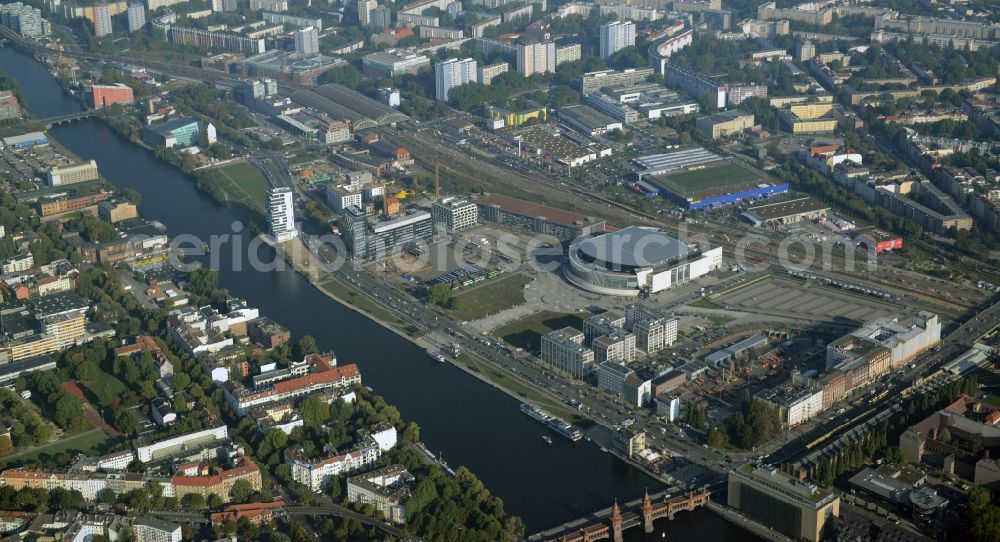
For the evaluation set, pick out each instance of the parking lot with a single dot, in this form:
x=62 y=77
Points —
x=805 y=300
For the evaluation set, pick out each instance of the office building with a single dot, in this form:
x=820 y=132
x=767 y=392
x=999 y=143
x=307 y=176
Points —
x=455 y=214
x=536 y=58
x=962 y=438
x=655 y=335
x=725 y=124
x=365 y=8
x=564 y=350
x=452 y=73
x=307 y=41
x=79 y=173
x=380 y=17
x=718 y=20
x=281 y=213
x=376 y=238
x=618 y=346
x=136 y=17
x=791 y=506
x=795 y=405
x=155 y=530
x=102 y=20
x=903 y=341
x=615 y=36
x=105 y=95
x=182 y=132
x=341 y=198
x=393 y=62
x=116 y=211
x=389 y=96
x=611 y=377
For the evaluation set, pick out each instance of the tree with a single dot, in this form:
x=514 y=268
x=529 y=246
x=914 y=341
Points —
x=215 y=501
x=716 y=437
x=305 y=346
x=982 y=518
x=194 y=501
x=315 y=412
x=242 y=492
x=204 y=281
x=440 y=294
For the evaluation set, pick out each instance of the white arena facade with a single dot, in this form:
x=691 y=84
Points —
x=634 y=259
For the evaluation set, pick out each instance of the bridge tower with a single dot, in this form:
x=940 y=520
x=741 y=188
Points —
x=616 y=523
x=647 y=513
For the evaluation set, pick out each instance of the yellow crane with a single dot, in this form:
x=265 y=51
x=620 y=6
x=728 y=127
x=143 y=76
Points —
x=437 y=179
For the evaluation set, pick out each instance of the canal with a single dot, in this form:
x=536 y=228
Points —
x=472 y=423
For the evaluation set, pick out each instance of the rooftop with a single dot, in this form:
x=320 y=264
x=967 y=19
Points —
x=587 y=116
x=634 y=247
x=788 y=484
x=533 y=210
x=782 y=209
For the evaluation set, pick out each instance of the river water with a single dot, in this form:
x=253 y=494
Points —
x=470 y=422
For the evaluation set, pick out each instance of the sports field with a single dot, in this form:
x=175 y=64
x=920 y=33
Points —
x=710 y=179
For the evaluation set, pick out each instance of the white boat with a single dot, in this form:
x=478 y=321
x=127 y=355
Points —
x=547 y=439
x=438 y=356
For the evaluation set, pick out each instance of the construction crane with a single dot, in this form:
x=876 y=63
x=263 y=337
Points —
x=437 y=179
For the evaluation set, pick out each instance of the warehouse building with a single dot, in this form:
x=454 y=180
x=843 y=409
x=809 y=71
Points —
x=536 y=218
x=786 y=212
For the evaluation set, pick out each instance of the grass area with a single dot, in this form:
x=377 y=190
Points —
x=705 y=303
x=717 y=319
x=710 y=178
x=104 y=387
x=490 y=297
x=521 y=389
x=303 y=158
x=350 y=295
x=246 y=184
x=92 y=442
x=527 y=332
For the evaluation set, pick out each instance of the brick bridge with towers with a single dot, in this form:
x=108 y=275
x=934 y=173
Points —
x=611 y=523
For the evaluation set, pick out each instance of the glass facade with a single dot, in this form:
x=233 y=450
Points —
x=767 y=509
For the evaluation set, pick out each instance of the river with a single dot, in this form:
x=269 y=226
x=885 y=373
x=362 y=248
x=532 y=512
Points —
x=470 y=422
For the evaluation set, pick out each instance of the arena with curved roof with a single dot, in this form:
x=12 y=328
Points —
x=635 y=260
x=340 y=102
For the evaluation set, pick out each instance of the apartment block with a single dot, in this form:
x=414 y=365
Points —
x=536 y=58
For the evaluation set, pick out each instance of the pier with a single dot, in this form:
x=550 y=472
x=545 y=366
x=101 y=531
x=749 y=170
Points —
x=611 y=522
